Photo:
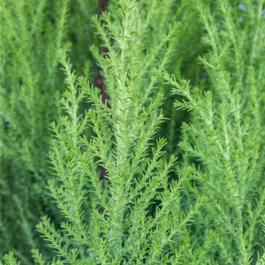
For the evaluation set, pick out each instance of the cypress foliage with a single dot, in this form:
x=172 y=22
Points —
x=31 y=85
x=179 y=132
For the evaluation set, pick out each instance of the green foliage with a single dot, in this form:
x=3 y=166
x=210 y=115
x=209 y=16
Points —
x=31 y=85
x=169 y=170
x=225 y=139
x=10 y=259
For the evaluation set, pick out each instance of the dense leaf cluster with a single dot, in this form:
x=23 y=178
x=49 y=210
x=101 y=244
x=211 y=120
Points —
x=167 y=167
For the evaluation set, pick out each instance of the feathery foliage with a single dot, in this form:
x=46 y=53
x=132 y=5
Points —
x=168 y=168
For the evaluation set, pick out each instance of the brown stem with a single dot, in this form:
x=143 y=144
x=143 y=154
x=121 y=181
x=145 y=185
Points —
x=102 y=6
x=99 y=80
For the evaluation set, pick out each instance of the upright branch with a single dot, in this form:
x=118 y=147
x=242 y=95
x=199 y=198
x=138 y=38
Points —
x=99 y=80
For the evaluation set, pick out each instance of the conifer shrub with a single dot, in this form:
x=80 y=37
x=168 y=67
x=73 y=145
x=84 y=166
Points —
x=133 y=135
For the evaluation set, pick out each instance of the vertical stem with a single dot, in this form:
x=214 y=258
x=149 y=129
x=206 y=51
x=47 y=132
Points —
x=99 y=80
x=102 y=6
